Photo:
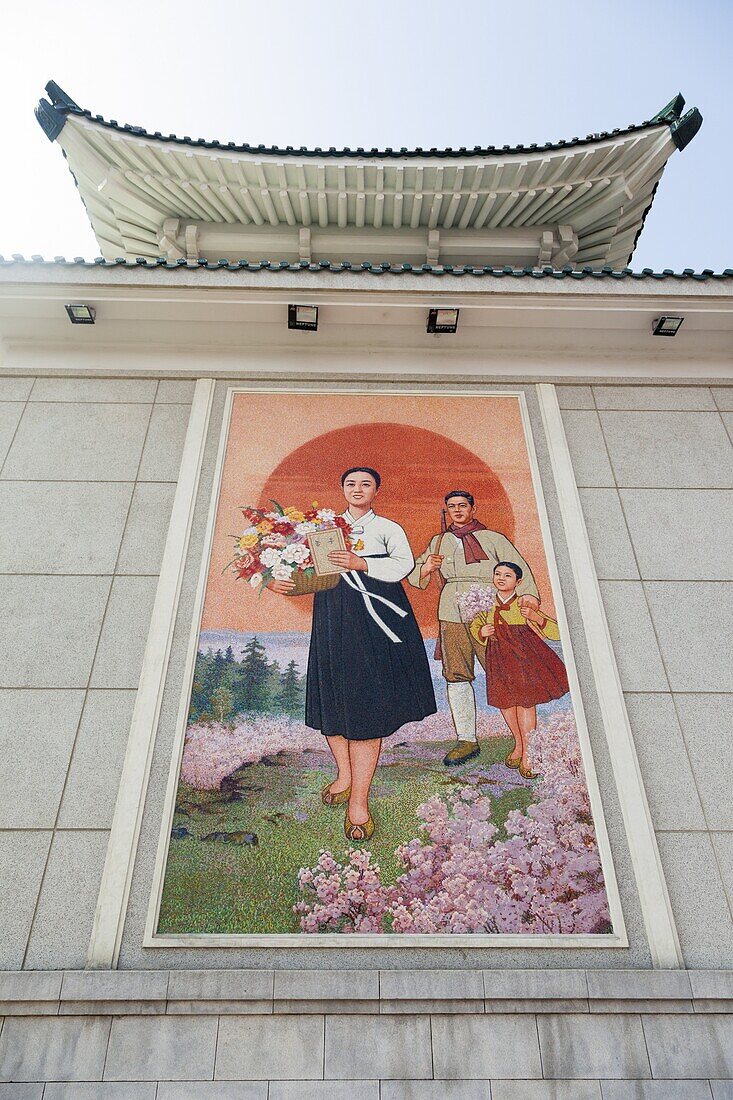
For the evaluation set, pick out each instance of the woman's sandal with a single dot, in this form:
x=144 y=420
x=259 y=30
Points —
x=527 y=773
x=337 y=798
x=357 y=833
x=512 y=761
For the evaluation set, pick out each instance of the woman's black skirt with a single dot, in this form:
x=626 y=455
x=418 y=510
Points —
x=360 y=684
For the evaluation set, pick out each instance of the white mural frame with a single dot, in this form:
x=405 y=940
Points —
x=154 y=939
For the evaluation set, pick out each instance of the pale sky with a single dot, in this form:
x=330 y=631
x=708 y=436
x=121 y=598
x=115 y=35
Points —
x=402 y=72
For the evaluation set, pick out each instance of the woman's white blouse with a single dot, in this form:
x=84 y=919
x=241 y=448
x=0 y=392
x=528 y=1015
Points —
x=382 y=536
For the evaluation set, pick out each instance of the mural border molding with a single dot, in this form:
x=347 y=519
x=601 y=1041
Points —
x=651 y=885
x=114 y=889
x=296 y=940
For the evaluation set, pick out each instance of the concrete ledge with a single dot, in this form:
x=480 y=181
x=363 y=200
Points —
x=308 y=992
x=220 y=991
x=443 y=991
x=712 y=990
x=29 y=992
x=639 y=991
x=113 y=992
x=535 y=991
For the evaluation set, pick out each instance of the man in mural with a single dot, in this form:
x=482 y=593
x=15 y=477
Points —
x=465 y=552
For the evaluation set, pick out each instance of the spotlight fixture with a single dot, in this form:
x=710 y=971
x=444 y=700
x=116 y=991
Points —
x=666 y=326
x=443 y=320
x=81 y=314
x=305 y=317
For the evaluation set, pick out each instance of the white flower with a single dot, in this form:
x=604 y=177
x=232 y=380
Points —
x=326 y=513
x=297 y=552
x=282 y=572
x=256 y=580
x=270 y=557
x=250 y=531
x=305 y=528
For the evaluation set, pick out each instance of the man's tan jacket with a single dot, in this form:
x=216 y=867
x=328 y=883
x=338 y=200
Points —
x=459 y=576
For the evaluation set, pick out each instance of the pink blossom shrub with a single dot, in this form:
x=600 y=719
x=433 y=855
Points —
x=342 y=897
x=545 y=878
x=441 y=889
x=213 y=750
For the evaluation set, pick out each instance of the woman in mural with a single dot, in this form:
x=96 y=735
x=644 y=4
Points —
x=521 y=670
x=368 y=673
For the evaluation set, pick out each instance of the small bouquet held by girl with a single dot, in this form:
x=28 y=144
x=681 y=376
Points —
x=275 y=546
x=521 y=669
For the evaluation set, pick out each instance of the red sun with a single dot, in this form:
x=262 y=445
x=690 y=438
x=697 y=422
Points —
x=418 y=468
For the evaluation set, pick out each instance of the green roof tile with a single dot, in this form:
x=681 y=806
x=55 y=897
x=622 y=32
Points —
x=52 y=116
x=375 y=269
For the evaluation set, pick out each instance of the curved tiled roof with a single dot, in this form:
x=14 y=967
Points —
x=581 y=201
x=375 y=269
x=52 y=116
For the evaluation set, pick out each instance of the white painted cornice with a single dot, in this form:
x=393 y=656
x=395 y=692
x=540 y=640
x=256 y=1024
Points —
x=234 y=323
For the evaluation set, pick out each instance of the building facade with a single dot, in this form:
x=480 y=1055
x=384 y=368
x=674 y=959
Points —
x=115 y=440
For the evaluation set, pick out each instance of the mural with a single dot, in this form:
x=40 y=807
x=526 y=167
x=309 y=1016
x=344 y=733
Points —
x=380 y=737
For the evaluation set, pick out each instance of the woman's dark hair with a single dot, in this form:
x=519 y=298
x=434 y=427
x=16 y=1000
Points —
x=459 y=493
x=511 y=565
x=361 y=470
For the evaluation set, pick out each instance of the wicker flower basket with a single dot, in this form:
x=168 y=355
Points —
x=305 y=584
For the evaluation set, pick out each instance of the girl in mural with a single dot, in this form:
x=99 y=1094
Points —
x=368 y=673
x=521 y=670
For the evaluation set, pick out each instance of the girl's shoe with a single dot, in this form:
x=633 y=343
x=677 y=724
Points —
x=357 y=833
x=513 y=761
x=330 y=798
x=526 y=772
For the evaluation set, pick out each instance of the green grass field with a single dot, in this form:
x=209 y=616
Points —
x=224 y=886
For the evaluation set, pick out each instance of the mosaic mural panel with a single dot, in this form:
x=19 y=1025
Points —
x=381 y=737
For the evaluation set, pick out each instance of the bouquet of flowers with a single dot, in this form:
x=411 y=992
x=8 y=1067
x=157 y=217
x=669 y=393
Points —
x=274 y=546
x=476 y=607
x=477 y=600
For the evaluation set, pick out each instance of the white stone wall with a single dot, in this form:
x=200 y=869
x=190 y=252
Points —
x=87 y=474
x=655 y=469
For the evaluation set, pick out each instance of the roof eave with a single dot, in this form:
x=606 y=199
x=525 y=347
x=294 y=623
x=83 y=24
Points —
x=52 y=117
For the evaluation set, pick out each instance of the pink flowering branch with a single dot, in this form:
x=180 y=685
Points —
x=546 y=877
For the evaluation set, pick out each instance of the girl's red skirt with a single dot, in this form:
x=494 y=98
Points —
x=522 y=670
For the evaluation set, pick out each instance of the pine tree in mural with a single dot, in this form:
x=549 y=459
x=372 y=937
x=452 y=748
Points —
x=253 y=677
x=226 y=686
x=290 y=696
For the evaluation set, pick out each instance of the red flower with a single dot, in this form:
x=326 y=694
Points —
x=246 y=568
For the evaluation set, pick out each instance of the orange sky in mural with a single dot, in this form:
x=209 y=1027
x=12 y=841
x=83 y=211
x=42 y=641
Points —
x=293 y=448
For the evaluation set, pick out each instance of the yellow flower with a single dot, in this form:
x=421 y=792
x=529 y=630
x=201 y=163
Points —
x=314 y=504
x=246 y=541
x=264 y=527
x=358 y=545
x=294 y=515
